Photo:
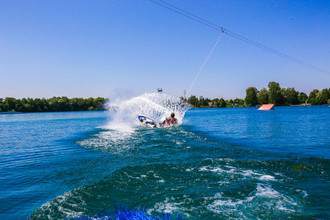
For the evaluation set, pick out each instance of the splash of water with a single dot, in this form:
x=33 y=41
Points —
x=120 y=132
x=157 y=106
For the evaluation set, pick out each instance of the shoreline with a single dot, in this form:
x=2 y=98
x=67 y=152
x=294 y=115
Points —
x=301 y=105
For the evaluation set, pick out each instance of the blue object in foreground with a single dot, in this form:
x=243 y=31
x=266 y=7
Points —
x=124 y=213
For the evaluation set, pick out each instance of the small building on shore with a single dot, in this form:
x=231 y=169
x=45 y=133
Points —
x=267 y=107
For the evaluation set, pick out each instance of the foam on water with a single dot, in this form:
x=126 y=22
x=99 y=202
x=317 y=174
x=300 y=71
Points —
x=264 y=197
x=208 y=189
x=114 y=141
x=238 y=172
x=64 y=208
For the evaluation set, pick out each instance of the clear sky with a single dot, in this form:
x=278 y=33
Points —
x=90 y=48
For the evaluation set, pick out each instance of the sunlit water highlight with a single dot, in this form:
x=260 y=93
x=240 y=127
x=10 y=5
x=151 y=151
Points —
x=220 y=163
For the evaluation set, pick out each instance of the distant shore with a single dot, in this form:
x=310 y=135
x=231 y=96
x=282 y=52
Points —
x=11 y=105
x=257 y=106
x=273 y=95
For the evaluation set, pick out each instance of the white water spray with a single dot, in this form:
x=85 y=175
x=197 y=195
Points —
x=157 y=106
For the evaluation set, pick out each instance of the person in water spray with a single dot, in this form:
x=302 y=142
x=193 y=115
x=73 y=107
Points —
x=168 y=122
x=171 y=121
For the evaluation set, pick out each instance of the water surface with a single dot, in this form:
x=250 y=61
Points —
x=233 y=162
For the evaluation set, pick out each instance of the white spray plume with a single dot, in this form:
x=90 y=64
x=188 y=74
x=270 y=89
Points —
x=157 y=106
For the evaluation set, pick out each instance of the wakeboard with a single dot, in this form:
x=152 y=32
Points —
x=147 y=121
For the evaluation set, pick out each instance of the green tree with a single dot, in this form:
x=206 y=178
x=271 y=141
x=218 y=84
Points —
x=64 y=104
x=302 y=97
x=251 y=98
x=74 y=104
x=45 y=105
x=91 y=108
x=263 y=96
x=222 y=103
x=291 y=96
x=38 y=105
x=193 y=100
x=312 y=98
x=274 y=93
x=323 y=96
x=230 y=103
x=1 y=105
x=99 y=103
x=239 y=102
x=202 y=102
x=10 y=104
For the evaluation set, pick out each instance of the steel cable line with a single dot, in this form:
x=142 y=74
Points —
x=202 y=67
x=186 y=14
x=268 y=49
x=233 y=34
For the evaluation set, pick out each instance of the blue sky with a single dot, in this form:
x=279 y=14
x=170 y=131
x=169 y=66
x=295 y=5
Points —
x=126 y=48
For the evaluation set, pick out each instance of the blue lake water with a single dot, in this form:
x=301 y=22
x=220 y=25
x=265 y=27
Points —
x=220 y=163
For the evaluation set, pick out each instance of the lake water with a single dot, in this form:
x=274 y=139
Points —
x=220 y=163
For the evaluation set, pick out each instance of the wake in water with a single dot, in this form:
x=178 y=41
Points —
x=183 y=171
x=120 y=134
x=153 y=105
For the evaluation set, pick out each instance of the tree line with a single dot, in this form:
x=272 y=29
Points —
x=273 y=95
x=55 y=104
